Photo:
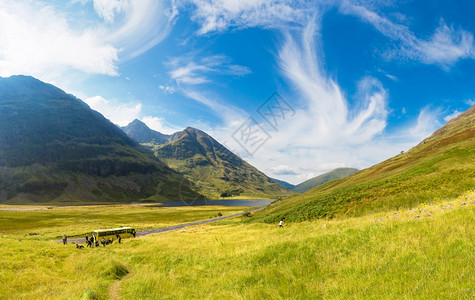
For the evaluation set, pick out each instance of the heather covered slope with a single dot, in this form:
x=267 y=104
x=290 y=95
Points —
x=441 y=166
x=53 y=147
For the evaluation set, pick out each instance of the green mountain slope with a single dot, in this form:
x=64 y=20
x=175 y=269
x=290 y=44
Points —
x=212 y=169
x=441 y=166
x=53 y=147
x=324 y=178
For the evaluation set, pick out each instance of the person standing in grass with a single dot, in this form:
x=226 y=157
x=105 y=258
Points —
x=87 y=238
x=103 y=242
x=281 y=223
x=65 y=239
x=118 y=238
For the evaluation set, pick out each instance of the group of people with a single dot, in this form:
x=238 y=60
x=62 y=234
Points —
x=90 y=241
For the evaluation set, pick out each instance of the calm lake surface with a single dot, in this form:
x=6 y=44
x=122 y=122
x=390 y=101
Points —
x=251 y=203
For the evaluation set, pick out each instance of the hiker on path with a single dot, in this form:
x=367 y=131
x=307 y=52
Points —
x=87 y=238
x=281 y=223
x=133 y=232
x=65 y=239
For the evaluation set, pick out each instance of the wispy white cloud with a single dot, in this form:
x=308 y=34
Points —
x=107 y=9
x=45 y=41
x=167 y=89
x=187 y=71
x=445 y=47
x=191 y=73
x=392 y=77
x=470 y=102
x=427 y=122
x=326 y=108
x=231 y=116
x=452 y=115
x=218 y=15
x=117 y=112
x=35 y=39
x=159 y=124
x=328 y=130
x=145 y=23
x=283 y=170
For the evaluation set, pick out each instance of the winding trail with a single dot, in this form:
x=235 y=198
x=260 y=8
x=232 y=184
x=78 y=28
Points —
x=175 y=227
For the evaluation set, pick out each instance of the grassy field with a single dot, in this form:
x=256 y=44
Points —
x=426 y=252
x=79 y=220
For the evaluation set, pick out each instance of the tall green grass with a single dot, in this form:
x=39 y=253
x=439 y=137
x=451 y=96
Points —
x=425 y=252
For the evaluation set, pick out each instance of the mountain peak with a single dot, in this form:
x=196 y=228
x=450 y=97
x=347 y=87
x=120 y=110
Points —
x=214 y=168
x=194 y=130
x=137 y=122
x=140 y=132
x=22 y=86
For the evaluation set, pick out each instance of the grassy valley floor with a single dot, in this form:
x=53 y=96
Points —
x=426 y=252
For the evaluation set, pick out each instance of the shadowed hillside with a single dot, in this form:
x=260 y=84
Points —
x=441 y=166
x=53 y=147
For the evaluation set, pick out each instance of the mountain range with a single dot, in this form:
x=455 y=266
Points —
x=54 y=148
x=324 y=178
x=210 y=167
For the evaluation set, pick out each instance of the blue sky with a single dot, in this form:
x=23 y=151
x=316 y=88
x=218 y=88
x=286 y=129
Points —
x=361 y=80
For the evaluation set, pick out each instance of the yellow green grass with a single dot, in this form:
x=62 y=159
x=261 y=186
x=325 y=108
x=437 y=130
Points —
x=426 y=252
x=79 y=220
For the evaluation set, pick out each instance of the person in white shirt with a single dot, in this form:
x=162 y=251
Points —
x=281 y=223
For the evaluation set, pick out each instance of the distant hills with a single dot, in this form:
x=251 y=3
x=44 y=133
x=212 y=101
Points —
x=54 y=148
x=318 y=180
x=284 y=183
x=211 y=168
x=324 y=178
x=441 y=166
